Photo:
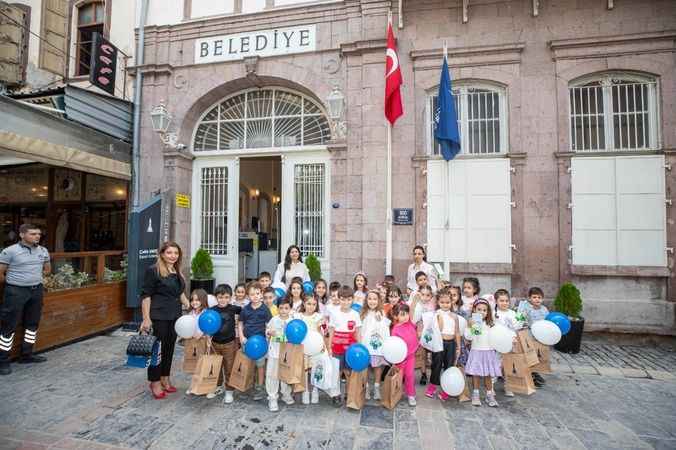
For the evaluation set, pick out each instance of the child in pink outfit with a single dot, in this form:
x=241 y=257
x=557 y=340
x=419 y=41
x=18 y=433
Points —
x=406 y=330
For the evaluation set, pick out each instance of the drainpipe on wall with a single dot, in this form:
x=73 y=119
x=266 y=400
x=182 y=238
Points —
x=134 y=224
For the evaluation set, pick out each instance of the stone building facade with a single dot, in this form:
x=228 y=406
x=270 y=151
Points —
x=543 y=174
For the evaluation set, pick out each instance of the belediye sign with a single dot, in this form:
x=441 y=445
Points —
x=276 y=42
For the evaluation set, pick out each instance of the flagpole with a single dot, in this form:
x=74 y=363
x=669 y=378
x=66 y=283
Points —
x=447 y=263
x=388 y=201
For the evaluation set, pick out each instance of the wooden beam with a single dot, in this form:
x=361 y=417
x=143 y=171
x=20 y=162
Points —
x=465 y=11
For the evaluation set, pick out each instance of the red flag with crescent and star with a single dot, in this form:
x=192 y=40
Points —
x=393 y=80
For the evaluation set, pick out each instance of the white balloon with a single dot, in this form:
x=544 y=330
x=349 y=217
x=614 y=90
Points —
x=500 y=338
x=186 y=326
x=313 y=344
x=546 y=332
x=394 y=349
x=453 y=381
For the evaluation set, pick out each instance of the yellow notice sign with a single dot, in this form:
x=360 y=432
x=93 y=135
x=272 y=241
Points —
x=182 y=200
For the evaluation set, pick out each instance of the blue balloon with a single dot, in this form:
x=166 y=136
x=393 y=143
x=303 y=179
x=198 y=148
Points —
x=560 y=320
x=356 y=307
x=256 y=347
x=357 y=357
x=281 y=293
x=209 y=322
x=295 y=331
x=308 y=287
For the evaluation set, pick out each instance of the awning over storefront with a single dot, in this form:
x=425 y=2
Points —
x=37 y=135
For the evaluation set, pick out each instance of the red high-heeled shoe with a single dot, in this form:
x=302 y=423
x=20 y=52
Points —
x=159 y=396
x=169 y=389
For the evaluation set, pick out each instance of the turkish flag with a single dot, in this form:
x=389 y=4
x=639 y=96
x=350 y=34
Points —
x=393 y=106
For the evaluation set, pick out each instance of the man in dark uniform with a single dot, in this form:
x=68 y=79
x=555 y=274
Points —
x=22 y=267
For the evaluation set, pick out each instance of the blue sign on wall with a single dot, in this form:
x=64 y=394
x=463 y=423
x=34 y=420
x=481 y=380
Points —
x=402 y=216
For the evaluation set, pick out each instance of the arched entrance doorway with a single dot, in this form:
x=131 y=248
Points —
x=272 y=140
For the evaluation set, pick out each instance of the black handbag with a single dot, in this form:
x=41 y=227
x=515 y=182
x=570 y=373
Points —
x=141 y=345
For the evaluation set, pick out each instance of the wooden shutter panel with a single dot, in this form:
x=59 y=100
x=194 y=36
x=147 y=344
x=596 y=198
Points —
x=436 y=210
x=456 y=236
x=13 y=44
x=54 y=32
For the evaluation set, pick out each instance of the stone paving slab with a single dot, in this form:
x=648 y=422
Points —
x=85 y=398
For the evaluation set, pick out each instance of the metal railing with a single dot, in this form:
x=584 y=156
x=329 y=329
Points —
x=309 y=180
x=214 y=210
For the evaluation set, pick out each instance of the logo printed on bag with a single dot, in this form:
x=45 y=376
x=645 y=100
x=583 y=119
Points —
x=319 y=374
x=376 y=341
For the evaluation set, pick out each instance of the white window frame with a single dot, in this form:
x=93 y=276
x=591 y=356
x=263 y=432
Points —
x=606 y=81
x=463 y=89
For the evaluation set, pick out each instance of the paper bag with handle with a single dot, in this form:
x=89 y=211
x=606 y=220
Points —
x=544 y=356
x=356 y=389
x=193 y=349
x=205 y=378
x=518 y=376
x=525 y=344
x=242 y=374
x=391 y=389
x=291 y=363
x=420 y=358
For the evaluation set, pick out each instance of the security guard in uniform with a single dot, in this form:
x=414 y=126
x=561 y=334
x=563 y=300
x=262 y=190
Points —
x=22 y=267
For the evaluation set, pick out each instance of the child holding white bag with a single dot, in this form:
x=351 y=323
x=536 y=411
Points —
x=375 y=329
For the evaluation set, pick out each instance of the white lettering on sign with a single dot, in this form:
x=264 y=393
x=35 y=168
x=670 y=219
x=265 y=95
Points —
x=232 y=47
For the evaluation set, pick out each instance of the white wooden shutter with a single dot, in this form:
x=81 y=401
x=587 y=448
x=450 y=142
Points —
x=54 y=32
x=619 y=215
x=489 y=228
x=436 y=210
x=470 y=220
x=641 y=211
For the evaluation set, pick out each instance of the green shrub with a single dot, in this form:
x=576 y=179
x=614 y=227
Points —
x=202 y=266
x=568 y=301
x=314 y=267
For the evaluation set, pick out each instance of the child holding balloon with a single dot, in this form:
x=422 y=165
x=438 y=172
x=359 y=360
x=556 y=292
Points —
x=376 y=328
x=275 y=330
x=309 y=313
x=449 y=327
x=482 y=363
x=252 y=321
x=533 y=310
x=405 y=330
x=223 y=341
x=344 y=327
x=198 y=304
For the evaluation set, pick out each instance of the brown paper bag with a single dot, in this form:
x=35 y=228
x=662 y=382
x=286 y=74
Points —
x=205 y=378
x=420 y=358
x=544 y=356
x=193 y=349
x=525 y=344
x=356 y=389
x=391 y=388
x=291 y=363
x=242 y=374
x=464 y=397
x=517 y=374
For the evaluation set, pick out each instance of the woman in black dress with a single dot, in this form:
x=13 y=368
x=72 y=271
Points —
x=161 y=298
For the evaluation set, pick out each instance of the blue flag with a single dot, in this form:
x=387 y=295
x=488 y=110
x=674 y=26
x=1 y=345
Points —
x=445 y=118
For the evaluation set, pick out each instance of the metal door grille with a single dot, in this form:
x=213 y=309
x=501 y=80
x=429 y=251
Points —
x=309 y=180
x=214 y=211
x=613 y=114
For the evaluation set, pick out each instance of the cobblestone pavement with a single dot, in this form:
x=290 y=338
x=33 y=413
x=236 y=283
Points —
x=85 y=398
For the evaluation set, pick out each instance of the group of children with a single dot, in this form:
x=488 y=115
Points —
x=456 y=314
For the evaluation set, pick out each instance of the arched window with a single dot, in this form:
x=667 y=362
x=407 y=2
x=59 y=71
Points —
x=613 y=111
x=262 y=118
x=482 y=119
x=90 y=18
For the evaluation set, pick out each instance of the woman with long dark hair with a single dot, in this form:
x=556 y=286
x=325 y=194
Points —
x=291 y=267
x=161 y=297
x=420 y=264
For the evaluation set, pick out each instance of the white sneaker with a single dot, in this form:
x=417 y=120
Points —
x=411 y=401
x=315 y=396
x=306 y=398
x=188 y=392
x=367 y=393
x=376 y=392
x=217 y=392
x=288 y=399
x=229 y=397
x=509 y=393
x=272 y=405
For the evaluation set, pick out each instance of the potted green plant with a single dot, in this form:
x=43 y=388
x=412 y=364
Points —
x=569 y=302
x=202 y=272
x=314 y=267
